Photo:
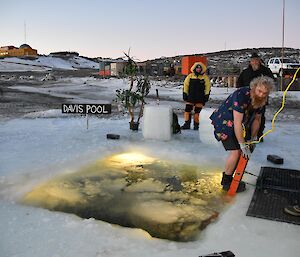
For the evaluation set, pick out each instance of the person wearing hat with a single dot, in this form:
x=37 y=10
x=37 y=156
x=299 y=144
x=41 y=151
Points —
x=196 y=89
x=254 y=70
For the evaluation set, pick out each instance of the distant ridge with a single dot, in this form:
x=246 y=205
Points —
x=244 y=51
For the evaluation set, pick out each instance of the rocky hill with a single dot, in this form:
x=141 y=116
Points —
x=232 y=61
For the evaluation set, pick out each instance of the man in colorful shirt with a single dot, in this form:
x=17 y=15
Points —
x=241 y=112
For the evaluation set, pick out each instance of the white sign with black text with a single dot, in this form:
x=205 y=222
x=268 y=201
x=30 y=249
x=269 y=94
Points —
x=86 y=108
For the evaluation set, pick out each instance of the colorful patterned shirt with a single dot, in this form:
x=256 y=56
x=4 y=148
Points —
x=222 y=118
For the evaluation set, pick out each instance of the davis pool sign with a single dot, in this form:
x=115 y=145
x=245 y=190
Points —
x=86 y=108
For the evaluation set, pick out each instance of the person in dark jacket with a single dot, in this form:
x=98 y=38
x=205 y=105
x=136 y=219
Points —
x=237 y=121
x=196 y=89
x=254 y=70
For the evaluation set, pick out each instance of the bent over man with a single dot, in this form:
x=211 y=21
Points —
x=237 y=116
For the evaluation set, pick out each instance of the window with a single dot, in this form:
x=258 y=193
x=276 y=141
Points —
x=277 y=61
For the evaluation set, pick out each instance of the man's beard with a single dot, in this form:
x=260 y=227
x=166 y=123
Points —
x=255 y=67
x=257 y=102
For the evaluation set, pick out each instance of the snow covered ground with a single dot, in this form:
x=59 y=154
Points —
x=43 y=63
x=43 y=145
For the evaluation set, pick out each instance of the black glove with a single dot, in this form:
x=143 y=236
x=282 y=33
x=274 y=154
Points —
x=185 y=96
x=206 y=97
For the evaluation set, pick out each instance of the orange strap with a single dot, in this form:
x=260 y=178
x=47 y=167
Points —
x=239 y=172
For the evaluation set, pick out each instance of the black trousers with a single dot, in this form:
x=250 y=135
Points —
x=262 y=123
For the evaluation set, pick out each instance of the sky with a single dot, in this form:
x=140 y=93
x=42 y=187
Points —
x=150 y=28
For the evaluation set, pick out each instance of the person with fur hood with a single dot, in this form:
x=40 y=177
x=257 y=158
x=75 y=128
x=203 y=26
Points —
x=196 y=89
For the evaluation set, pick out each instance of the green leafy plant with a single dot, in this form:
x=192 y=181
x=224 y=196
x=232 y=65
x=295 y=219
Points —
x=134 y=97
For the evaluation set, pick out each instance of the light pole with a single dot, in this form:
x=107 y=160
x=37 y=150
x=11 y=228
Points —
x=282 y=50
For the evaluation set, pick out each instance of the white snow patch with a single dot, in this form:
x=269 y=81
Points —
x=45 y=63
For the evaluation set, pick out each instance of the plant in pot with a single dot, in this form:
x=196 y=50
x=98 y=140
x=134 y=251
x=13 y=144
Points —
x=133 y=99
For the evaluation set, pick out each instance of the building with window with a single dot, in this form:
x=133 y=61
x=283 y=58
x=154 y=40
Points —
x=23 y=51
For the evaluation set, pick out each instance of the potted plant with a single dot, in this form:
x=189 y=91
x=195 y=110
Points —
x=134 y=97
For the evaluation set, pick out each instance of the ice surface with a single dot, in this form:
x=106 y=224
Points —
x=206 y=129
x=157 y=122
x=34 y=150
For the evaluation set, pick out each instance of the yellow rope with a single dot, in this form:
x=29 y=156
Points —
x=281 y=108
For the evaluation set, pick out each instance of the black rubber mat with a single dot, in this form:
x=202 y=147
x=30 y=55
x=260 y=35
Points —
x=276 y=188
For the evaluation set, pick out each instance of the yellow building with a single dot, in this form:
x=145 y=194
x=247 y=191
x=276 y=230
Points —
x=23 y=50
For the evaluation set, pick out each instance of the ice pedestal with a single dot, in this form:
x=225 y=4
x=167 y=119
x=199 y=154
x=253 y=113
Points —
x=157 y=122
x=206 y=129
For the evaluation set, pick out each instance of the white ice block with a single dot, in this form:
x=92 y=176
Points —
x=206 y=129
x=157 y=122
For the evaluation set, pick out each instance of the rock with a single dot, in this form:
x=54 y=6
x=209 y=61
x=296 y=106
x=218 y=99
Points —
x=48 y=77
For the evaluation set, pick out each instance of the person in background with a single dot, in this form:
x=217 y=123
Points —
x=254 y=70
x=239 y=114
x=196 y=91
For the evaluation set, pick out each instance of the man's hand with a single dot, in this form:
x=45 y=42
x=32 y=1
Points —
x=245 y=150
x=251 y=144
x=254 y=138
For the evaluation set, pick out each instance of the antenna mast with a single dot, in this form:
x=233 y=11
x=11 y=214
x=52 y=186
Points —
x=25 y=32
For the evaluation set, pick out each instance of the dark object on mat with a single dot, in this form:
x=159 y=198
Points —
x=175 y=124
x=220 y=254
x=275 y=189
x=112 y=136
x=275 y=159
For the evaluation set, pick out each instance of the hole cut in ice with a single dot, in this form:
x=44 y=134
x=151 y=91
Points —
x=168 y=200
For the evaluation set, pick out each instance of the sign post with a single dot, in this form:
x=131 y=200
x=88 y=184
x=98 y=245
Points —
x=86 y=109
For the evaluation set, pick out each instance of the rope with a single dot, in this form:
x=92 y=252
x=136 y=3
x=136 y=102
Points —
x=280 y=109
